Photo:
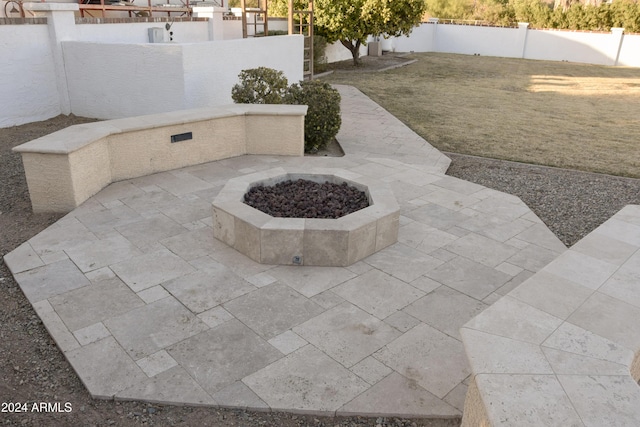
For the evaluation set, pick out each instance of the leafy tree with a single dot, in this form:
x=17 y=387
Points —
x=449 y=9
x=280 y=8
x=535 y=12
x=352 y=21
x=495 y=12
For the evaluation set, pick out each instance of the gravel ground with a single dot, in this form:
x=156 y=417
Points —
x=33 y=370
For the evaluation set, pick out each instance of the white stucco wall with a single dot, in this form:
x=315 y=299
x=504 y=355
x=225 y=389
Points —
x=337 y=52
x=111 y=81
x=119 y=74
x=469 y=40
x=232 y=29
x=630 y=51
x=211 y=69
x=421 y=39
x=592 y=48
x=28 y=90
x=136 y=32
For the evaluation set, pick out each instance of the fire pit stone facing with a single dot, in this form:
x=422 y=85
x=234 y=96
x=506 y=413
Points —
x=304 y=241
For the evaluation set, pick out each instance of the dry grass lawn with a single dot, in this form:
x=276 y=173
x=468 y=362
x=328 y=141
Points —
x=567 y=115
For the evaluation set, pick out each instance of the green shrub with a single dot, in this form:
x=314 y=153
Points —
x=322 y=121
x=260 y=85
x=268 y=86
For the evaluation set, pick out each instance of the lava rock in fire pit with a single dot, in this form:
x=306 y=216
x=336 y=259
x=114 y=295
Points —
x=306 y=199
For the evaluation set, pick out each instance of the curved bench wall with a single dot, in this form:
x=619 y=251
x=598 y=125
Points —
x=67 y=167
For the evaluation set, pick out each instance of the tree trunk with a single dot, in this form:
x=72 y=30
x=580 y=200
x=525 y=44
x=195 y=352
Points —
x=354 y=47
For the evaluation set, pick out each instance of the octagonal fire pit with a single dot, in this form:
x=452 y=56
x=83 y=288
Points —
x=305 y=241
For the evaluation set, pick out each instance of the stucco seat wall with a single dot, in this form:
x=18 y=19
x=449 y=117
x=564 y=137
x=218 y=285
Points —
x=67 y=167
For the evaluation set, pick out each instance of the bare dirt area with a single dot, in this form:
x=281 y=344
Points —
x=33 y=370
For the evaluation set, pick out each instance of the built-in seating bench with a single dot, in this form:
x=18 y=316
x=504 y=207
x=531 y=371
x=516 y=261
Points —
x=562 y=348
x=67 y=167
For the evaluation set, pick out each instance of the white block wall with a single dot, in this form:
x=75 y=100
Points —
x=111 y=81
x=120 y=74
x=28 y=90
x=337 y=52
x=552 y=45
x=137 y=32
x=486 y=41
x=421 y=39
x=209 y=82
x=592 y=48
x=630 y=51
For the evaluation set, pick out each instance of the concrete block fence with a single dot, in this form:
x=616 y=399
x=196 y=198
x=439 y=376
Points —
x=61 y=64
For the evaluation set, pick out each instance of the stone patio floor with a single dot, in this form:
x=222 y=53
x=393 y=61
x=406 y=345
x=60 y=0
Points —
x=147 y=305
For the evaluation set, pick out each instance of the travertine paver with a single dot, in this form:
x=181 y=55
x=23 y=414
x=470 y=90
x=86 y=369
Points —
x=145 y=330
x=50 y=280
x=224 y=354
x=433 y=359
x=346 y=333
x=445 y=309
x=396 y=395
x=203 y=290
x=272 y=310
x=562 y=347
x=378 y=293
x=306 y=380
x=100 y=301
x=151 y=269
x=147 y=305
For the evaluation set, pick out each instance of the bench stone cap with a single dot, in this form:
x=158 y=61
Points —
x=75 y=137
